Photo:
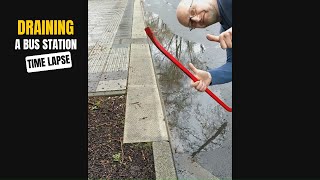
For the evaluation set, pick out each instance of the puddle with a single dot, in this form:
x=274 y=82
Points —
x=194 y=118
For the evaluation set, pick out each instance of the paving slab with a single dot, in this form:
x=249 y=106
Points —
x=141 y=66
x=112 y=85
x=138 y=21
x=144 y=119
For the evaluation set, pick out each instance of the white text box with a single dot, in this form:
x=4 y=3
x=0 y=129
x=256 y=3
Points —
x=46 y=62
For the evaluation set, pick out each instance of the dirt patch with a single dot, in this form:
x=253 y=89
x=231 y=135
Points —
x=108 y=157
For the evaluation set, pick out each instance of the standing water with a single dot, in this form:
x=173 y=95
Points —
x=200 y=129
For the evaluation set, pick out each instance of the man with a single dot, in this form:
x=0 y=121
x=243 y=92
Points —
x=200 y=14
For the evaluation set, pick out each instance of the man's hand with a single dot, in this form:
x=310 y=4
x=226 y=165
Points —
x=203 y=76
x=225 y=38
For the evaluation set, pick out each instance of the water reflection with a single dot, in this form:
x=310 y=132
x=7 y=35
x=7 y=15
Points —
x=193 y=117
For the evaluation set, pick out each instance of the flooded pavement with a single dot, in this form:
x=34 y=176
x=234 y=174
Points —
x=199 y=127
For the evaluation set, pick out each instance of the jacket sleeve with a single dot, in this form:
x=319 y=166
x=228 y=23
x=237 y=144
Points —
x=222 y=74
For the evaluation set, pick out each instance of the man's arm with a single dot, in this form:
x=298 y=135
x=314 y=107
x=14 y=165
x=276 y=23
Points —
x=222 y=74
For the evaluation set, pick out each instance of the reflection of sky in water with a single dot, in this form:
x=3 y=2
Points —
x=193 y=117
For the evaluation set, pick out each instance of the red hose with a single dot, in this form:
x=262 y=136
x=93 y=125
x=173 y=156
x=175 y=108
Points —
x=185 y=70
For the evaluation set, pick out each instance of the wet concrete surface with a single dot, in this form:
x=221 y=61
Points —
x=193 y=117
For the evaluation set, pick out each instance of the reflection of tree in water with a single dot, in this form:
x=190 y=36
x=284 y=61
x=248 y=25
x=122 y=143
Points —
x=171 y=77
x=192 y=125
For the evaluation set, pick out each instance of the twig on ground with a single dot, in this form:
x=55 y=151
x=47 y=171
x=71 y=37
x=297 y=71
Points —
x=108 y=124
x=122 y=156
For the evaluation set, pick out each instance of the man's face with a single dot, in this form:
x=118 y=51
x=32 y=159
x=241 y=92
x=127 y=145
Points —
x=196 y=14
